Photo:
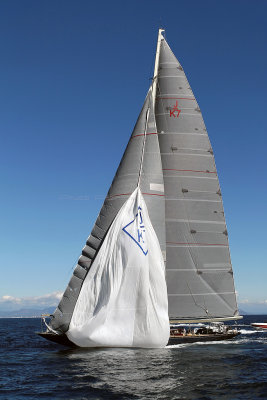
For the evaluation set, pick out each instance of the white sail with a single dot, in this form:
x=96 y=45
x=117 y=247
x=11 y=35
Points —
x=123 y=300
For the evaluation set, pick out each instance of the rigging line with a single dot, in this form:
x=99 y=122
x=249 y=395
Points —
x=143 y=148
x=207 y=311
x=196 y=304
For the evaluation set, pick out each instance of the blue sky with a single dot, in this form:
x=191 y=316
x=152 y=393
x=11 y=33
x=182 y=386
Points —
x=73 y=78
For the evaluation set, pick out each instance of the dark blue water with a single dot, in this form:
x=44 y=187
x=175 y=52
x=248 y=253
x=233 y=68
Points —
x=32 y=368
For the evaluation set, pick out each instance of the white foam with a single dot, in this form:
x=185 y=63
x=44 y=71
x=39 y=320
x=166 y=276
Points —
x=249 y=332
x=178 y=346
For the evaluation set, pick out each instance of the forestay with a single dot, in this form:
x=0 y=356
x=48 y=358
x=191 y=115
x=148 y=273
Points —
x=123 y=300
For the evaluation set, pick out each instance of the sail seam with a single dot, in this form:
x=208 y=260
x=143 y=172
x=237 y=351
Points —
x=172 y=76
x=154 y=194
x=188 y=154
x=195 y=221
x=199 y=269
x=144 y=134
x=182 y=113
x=188 y=170
x=174 y=98
x=191 y=177
x=183 y=199
x=183 y=133
x=128 y=194
x=187 y=148
x=200 y=294
x=156 y=174
x=198 y=244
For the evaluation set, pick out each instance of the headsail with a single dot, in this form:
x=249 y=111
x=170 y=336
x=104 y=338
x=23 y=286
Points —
x=122 y=187
x=198 y=267
x=123 y=300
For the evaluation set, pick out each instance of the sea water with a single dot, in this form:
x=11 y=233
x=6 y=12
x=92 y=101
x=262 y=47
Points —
x=33 y=368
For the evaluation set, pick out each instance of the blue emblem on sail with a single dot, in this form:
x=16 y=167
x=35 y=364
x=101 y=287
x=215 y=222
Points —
x=136 y=231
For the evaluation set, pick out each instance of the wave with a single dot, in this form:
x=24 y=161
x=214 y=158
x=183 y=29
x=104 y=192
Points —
x=251 y=331
x=248 y=331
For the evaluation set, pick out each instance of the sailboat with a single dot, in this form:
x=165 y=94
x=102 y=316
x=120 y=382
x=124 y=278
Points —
x=259 y=325
x=156 y=268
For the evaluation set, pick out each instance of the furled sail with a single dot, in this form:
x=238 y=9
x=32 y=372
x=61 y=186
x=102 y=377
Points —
x=123 y=300
x=198 y=267
x=123 y=185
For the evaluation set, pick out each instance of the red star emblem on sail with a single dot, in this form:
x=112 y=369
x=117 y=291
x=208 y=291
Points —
x=175 y=110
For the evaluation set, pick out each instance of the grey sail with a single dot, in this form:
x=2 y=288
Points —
x=144 y=140
x=198 y=268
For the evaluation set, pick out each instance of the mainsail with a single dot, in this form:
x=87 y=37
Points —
x=170 y=159
x=198 y=265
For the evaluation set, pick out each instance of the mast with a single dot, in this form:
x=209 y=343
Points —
x=155 y=76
